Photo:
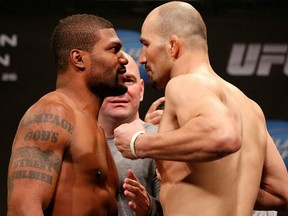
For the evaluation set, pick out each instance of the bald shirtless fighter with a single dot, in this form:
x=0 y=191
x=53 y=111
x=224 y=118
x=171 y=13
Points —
x=212 y=149
x=60 y=162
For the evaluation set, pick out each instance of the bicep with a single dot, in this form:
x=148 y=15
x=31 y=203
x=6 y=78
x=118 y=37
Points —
x=201 y=104
x=33 y=172
x=202 y=116
x=36 y=158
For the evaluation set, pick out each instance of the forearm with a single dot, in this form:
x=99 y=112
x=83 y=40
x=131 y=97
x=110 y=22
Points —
x=273 y=193
x=184 y=145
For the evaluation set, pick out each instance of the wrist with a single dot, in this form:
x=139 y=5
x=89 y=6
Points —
x=132 y=142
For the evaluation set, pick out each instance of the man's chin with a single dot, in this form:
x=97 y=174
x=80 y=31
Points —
x=104 y=91
x=120 y=89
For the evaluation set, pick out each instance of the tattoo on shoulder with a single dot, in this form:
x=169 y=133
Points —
x=48 y=118
x=42 y=135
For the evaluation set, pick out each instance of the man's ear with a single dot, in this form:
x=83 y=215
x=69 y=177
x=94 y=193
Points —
x=174 y=43
x=76 y=57
x=141 y=89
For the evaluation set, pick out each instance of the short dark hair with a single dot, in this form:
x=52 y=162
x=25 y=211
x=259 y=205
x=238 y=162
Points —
x=78 y=31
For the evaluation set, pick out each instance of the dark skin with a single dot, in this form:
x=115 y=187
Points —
x=60 y=162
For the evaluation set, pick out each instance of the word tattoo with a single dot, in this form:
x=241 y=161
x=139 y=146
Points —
x=48 y=118
x=20 y=174
x=42 y=162
x=42 y=135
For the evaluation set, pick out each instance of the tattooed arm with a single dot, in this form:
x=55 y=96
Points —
x=43 y=135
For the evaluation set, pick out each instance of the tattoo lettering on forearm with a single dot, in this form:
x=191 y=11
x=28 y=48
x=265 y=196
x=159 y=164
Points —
x=42 y=135
x=48 y=118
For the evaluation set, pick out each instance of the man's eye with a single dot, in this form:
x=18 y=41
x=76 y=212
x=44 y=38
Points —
x=116 y=49
x=129 y=80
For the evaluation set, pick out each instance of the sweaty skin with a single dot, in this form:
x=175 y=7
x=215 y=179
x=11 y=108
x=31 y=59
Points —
x=212 y=147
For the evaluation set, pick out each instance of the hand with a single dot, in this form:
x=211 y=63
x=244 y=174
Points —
x=134 y=190
x=153 y=114
x=123 y=135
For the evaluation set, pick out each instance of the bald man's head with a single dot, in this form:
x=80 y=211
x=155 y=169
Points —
x=177 y=18
x=132 y=66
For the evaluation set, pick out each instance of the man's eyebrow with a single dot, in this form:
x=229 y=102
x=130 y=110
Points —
x=130 y=76
x=116 y=43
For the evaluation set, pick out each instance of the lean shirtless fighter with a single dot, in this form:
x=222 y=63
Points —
x=212 y=150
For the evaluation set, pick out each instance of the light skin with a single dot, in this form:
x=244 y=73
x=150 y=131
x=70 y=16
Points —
x=212 y=146
x=122 y=109
x=154 y=116
x=60 y=164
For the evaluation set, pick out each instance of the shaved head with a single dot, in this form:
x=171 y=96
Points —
x=132 y=66
x=178 y=18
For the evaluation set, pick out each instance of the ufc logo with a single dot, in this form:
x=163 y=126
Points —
x=256 y=59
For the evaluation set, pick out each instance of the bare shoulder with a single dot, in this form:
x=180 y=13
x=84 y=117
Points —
x=189 y=95
x=246 y=103
x=43 y=135
x=193 y=81
x=53 y=102
x=190 y=87
x=257 y=110
x=49 y=117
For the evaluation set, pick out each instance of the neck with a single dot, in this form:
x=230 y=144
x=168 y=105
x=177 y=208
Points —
x=190 y=62
x=80 y=95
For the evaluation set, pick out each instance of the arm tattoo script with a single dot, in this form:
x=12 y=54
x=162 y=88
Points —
x=42 y=135
x=41 y=162
x=49 y=118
